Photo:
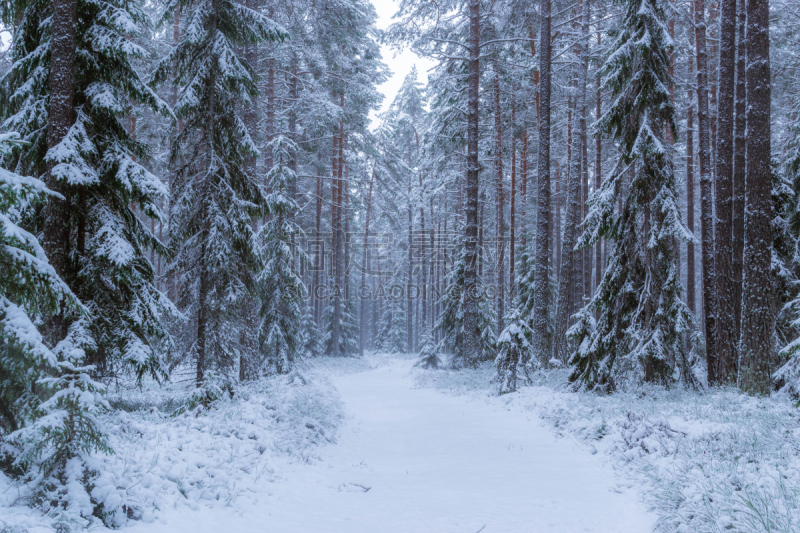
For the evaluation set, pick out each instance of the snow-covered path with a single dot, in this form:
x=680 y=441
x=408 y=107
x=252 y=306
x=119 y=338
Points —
x=417 y=460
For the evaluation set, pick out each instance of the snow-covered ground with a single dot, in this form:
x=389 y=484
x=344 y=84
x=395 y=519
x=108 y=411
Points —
x=713 y=461
x=410 y=459
x=375 y=445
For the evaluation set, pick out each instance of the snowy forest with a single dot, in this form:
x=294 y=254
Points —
x=225 y=254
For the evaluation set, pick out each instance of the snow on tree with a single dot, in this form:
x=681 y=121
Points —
x=214 y=200
x=514 y=353
x=451 y=319
x=642 y=319
x=97 y=166
x=280 y=288
x=48 y=401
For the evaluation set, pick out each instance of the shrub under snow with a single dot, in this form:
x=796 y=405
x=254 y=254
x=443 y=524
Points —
x=203 y=456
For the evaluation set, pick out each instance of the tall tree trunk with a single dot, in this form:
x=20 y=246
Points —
x=541 y=289
x=501 y=235
x=512 y=215
x=338 y=251
x=172 y=286
x=319 y=248
x=293 y=103
x=739 y=163
x=598 y=172
x=202 y=312
x=583 y=110
x=364 y=267
x=59 y=120
x=423 y=317
x=556 y=227
x=758 y=320
x=523 y=191
x=409 y=281
x=691 y=297
x=706 y=191
x=570 y=279
x=726 y=342
x=470 y=324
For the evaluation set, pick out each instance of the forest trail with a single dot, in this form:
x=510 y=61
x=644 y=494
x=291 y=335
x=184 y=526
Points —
x=417 y=460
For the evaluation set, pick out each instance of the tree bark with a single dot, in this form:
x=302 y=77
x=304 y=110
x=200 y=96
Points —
x=364 y=266
x=726 y=342
x=501 y=235
x=758 y=322
x=739 y=151
x=470 y=324
x=706 y=191
x=598 y=173
x=61 y=116
x=571 y=275
x=691 y=298
x=512 y=214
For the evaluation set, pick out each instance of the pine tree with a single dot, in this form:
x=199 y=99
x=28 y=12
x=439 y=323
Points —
x=642 y=319
x=279 y=285
x=214 y=199
x=758 y=319
x=541 y=291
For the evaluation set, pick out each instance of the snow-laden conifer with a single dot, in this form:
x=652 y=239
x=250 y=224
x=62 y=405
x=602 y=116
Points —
x=48 y=400
x=281 y=291
x=642 y=319
x=98 y=167
x=214 y=200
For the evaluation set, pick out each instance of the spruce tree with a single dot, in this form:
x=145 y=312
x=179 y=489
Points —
x=99 y=169
x=214 y=199
x=641 y=317
x=281 y=291
x=451 y=319
x=30 y=288
x=48 y=400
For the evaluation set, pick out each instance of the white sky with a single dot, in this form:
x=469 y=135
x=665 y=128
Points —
x=400 y=64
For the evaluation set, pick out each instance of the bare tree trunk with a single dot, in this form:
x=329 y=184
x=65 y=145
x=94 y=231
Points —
x=423 y=316
x=523 y=190
x=319 y=249
x=583 y=110
x=598 y=173
x=570 y=279
x=726 y=342
x=470 y=324
x=541 y=296
x=500 y=268
x=706 y=191
x=59 y=120
x=676 y=245
x=739 y=163
x=172 y=289
x=556 y=228
x=512 y=258
x=338 y=250
x=409 y=281
x=202 y=313
x=364 y=266
x=758 y=320
x=691 y=298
